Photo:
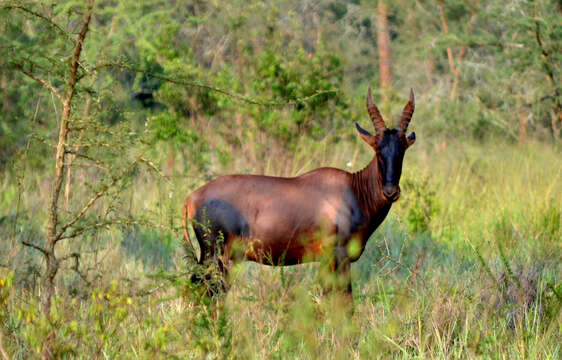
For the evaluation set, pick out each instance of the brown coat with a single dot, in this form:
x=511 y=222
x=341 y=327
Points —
x=292 y=220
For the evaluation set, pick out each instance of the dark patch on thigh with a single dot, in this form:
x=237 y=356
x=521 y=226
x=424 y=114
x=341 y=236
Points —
x=216 y=217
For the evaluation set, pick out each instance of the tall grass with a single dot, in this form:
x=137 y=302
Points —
x=467 y=265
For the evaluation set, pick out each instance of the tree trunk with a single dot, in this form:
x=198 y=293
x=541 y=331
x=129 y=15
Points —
x=556 y=114
x=52 y=263
x=383 y=44
x=455 y=68
x=450 y=56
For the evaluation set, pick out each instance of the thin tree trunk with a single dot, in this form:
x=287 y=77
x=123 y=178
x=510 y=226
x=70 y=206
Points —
x=450 y=56
x=52 y=263
x=383 y=44
x=556 y=122
x=455 y=67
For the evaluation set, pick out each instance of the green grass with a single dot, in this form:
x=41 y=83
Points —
x=467 y=265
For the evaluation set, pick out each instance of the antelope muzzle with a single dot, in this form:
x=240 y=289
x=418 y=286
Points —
x=391 y=192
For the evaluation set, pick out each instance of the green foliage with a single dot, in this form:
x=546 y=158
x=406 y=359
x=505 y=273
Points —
x=166 y=126
x=422 y=205
x=310 y=81
x=315 y=59
x=467 y=264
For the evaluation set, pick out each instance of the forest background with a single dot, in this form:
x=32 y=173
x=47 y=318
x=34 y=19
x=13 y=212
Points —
x=113 y=111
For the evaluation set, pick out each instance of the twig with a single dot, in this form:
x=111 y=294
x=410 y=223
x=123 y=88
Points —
x=43 y=140
x=83 y=156
x=84 y=210
x=43 y=82
x=94 y=144
x=76 y=267
x=155 y=168
x=54 y=105
x=238 y=97
x=36 y=247
x=87 y=165
x=127 y=222
x=91 y=202
x=2 y=351
x=43 y=17
x=415 y=271
x=69 y=256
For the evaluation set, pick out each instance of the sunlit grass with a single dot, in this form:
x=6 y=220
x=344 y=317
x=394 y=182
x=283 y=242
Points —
x=480 y=277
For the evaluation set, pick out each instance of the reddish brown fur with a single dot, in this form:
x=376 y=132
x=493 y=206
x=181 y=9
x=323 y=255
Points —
x=286 y=215
x=294 y=220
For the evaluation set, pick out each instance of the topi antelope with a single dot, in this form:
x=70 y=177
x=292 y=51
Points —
x=326 y=213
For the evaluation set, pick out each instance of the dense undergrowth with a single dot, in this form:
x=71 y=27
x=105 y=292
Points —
x=466 y=265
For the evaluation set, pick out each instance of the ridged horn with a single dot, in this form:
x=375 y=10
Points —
x=407 y=112
x=375 y=114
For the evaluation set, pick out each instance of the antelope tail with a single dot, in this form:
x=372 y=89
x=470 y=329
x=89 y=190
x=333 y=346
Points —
x=186 y=232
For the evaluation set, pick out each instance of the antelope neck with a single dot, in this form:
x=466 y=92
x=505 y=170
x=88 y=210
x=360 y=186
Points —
x=367 y=186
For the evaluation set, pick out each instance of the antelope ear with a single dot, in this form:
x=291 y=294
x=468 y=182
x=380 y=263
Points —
x=411 y=139
x=365 y=135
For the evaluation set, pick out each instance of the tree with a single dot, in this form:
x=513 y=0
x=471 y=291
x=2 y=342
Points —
x=383 y=43
x=79 y=137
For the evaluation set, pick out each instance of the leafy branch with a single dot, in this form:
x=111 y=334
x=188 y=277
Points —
x=41 y=81
x=120 y=221
x=189 y=83
x=42 y=17
x=93 y=200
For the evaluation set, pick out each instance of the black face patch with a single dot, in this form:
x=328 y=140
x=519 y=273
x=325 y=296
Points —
x=391 y=150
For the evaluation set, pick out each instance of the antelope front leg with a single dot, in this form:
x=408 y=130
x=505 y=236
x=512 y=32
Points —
x=342 y=270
